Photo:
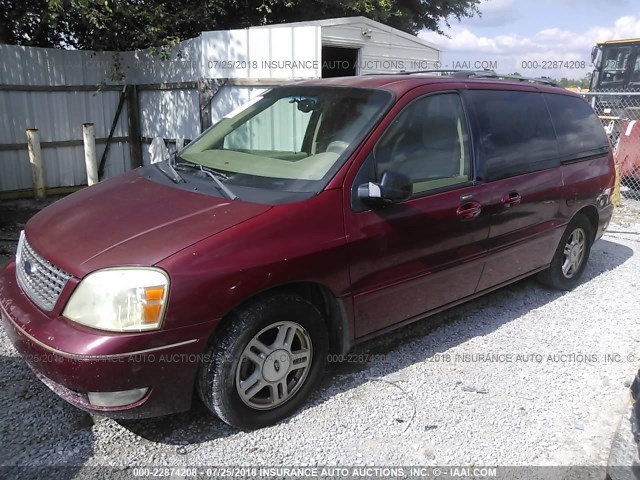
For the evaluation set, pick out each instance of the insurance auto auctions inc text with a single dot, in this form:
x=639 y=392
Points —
x=379 y=65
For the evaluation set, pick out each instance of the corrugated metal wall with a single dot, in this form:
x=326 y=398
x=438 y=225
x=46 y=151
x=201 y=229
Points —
x=48 y=66
x=278 y=51
x=25 y=74
x=229 y=98
x=168 y=114
x=59 y=117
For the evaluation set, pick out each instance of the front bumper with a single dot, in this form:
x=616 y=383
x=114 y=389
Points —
x=73 y=360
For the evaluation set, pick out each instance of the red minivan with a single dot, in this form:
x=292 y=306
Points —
x=318 y=215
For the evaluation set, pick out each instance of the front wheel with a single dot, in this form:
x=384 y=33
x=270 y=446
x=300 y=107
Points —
x=265 y=362
x=571 y=256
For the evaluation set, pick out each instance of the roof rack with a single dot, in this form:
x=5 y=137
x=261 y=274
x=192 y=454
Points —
x=483 y=74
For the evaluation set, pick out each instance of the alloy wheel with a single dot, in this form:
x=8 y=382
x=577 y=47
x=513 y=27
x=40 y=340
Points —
x=274 y=365
x=574 y=251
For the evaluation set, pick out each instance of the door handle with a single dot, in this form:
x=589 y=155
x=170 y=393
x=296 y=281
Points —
x=511 y=199
x=469 y=210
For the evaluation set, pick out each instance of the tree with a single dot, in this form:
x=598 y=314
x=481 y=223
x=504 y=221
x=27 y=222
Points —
x=133 y=24
x=582 y=83
x=28 y=22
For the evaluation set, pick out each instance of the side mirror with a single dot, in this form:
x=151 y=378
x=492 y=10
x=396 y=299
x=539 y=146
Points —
x=393 y=187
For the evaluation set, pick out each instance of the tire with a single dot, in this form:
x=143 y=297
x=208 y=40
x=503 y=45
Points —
x=264 y=343
x=568 y=266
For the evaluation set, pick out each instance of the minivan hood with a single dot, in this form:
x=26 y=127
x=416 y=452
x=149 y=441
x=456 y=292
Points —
x=129 y=220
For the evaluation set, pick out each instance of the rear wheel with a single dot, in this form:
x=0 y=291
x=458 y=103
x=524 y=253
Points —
x=571 y=256
x=265 y=362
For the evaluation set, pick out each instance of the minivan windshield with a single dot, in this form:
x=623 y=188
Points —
x=290 y=139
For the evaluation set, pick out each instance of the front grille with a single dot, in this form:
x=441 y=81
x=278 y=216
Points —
x=40 y=280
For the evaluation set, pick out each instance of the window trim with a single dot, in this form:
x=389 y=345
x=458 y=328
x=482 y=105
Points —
x=584 y=156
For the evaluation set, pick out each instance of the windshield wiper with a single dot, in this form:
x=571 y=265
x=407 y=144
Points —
x=169 y=171
x=213 y=174
x=202 y=168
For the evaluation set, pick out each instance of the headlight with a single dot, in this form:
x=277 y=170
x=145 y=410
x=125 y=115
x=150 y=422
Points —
x=120 y=299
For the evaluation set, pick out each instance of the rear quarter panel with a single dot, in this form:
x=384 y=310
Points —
x=589 y=183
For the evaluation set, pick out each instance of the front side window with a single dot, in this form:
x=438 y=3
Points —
x=515 y=132
x=292 y=139
x=614 y=64
x=428 y=141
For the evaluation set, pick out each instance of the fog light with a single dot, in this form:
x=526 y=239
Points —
x=116 y=399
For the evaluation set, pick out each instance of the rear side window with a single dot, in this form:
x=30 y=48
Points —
x=579 y=131
x=515 y=133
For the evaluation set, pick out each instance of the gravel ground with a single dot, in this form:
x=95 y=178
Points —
x=13 y=215
x=434 y=394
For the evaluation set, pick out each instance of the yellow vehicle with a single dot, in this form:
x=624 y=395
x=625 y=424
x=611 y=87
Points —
x=617 y=78
x=617 y=65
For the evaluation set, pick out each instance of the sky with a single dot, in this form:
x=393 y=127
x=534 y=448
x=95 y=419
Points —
x=528 y=36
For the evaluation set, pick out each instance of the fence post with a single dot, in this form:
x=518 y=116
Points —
x=89 y=138
x=133 y=109
x=35 y=158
